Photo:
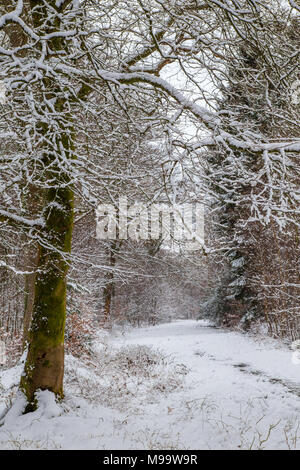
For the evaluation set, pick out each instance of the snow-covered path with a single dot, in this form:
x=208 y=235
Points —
x=238 y=387
x=222 y=350
x=235 y=393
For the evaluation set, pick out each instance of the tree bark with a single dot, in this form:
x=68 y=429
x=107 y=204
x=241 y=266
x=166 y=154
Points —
x=109 y=289
x=44 y=366
x=31 y=257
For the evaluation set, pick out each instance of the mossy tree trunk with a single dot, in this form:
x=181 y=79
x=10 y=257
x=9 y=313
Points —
x=31 y=260
x=32 y=200
x=44 y=367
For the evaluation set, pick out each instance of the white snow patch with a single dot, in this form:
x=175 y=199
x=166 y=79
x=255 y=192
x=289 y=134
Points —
x=183 y=385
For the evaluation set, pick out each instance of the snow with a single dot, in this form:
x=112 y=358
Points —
x=203 y=388
x=21 y=220
x=12 y=16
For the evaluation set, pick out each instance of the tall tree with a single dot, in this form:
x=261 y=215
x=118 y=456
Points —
x=260 y=241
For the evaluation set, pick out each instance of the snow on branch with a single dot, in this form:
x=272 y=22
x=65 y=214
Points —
x=211 y=120
x=13 y=218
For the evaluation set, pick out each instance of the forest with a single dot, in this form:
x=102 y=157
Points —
x=149 y=224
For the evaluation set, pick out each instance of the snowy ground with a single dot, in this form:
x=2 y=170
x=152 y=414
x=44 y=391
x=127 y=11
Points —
x=204 y=389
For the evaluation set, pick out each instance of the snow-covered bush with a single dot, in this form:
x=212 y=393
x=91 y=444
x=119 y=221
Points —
x=80 y=331
x=117 y=376
x=136 y=360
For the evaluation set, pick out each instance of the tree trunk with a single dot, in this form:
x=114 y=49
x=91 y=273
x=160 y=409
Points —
x=44 y=366
x=33 y=200
x=109 y=289
x=28 y=306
